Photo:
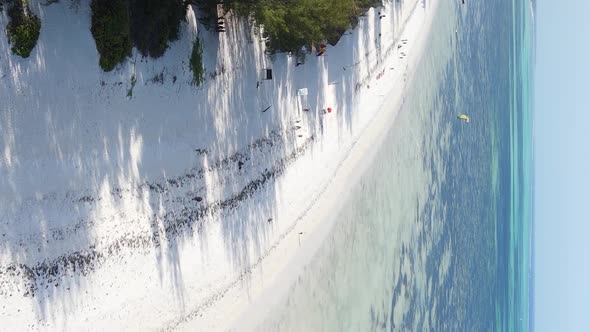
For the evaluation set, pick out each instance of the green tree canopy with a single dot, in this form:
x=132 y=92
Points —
x=110 y=28
x=291 y=24
x=154 y=23
x=23 y=29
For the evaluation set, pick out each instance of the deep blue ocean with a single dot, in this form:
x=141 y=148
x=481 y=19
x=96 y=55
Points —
x=437 y=234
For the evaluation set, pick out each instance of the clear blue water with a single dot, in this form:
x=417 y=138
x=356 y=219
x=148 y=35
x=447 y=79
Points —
x=437 y=235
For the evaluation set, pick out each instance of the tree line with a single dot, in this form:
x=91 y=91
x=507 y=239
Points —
x=149 y=25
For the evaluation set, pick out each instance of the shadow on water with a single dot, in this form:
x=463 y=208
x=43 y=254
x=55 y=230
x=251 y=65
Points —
x=141 y=173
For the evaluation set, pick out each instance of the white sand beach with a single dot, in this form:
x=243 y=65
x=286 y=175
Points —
x=133 y=200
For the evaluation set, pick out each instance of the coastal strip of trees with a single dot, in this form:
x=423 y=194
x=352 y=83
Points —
x=150 y=25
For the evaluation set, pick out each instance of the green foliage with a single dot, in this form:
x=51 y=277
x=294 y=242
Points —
x=150 y=25
x=293 y=24
x=118 y=25
x=196 y=63
x=154 y=23
x=23 y=29
x=110 y=29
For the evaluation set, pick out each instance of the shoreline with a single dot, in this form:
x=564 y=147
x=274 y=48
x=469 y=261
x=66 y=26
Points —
x=217 y=266
x=270 y=282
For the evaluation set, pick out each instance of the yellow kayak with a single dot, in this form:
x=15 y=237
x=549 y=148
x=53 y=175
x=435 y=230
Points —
x=463 y=117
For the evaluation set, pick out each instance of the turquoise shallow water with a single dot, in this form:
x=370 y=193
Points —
x=436 y=235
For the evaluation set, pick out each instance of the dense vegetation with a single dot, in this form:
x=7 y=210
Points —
x=154 y=23
x=118 y=25
x=149 y=25
x=23 y=28
x=292 y=24
x=110 y=28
